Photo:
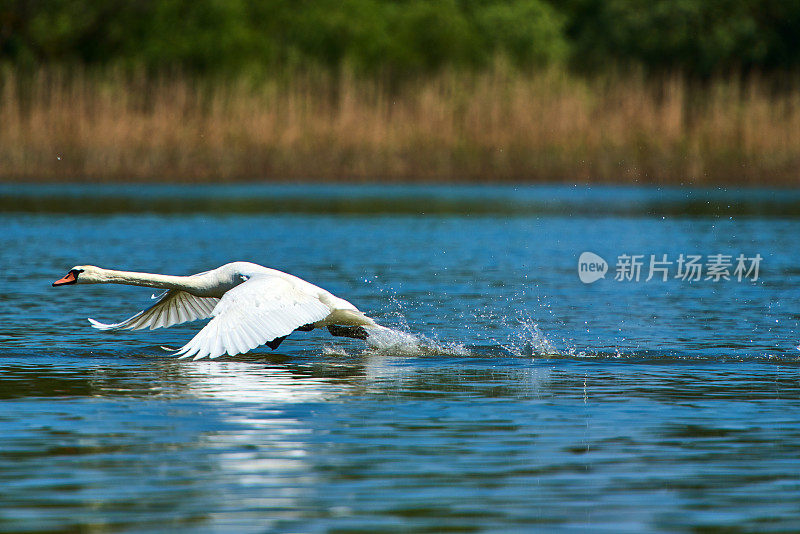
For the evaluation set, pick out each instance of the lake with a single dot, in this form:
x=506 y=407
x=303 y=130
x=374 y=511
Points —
x=657 y=388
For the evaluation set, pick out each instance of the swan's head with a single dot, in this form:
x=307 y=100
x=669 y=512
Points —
x=80 y=274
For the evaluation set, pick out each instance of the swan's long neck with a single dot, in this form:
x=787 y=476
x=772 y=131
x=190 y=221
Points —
x=159 y=281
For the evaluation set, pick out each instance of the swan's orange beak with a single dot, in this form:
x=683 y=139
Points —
x=70 y=278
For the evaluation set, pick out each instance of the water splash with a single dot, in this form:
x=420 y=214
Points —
x=387 y=341
x=523 y=336
x=334 y=350
x=526 y=338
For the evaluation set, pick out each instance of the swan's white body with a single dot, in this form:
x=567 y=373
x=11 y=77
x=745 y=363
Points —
x=249 y=305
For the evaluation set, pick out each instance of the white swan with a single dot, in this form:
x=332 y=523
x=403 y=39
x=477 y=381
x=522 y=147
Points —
x=249 y=305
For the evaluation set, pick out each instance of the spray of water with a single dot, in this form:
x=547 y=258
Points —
x=526 y=338
x=523 y=339
x=388 y=341
x=480 y=330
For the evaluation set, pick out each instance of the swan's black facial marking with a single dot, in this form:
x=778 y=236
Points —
x=70 y=278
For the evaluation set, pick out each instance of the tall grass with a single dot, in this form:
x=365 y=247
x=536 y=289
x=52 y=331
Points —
x=499 y=125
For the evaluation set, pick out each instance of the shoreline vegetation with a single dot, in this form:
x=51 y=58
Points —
x=382 y=91
x=498 y=124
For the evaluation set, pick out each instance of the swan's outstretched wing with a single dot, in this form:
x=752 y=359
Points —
x=253 y=313
x=173 y=307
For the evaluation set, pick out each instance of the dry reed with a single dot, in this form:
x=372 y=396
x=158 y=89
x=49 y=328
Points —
x=498 y=125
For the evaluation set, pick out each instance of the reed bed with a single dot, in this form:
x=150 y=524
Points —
x=498 y=125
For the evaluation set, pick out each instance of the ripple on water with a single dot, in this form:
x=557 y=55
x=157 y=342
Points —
x=509 y=396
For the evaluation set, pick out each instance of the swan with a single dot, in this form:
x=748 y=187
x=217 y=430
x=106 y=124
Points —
x=249 y=305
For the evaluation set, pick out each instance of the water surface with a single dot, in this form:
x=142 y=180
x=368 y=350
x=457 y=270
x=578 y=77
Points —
x=532 y=401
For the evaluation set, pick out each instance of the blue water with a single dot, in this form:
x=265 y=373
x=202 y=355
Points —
x=529 y=401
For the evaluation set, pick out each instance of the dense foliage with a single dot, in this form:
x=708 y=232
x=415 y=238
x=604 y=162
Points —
x=698 y=37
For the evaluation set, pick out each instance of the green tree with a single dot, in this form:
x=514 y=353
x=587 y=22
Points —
x=701 y=38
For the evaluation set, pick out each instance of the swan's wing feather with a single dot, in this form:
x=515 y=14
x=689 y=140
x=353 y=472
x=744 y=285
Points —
x=172 y=307
x=253 y=313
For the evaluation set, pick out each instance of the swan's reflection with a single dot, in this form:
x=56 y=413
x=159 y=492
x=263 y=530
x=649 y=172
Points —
x=260 y=457
x=279 y=426
x=237 y=381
